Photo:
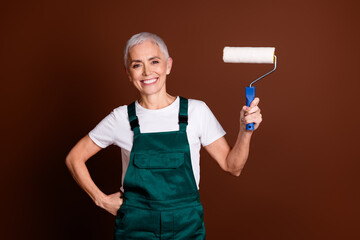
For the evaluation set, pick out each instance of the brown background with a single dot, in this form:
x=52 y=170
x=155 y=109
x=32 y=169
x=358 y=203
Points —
x=62 y=72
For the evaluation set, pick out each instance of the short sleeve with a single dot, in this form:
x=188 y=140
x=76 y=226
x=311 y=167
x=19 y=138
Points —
x=104 y=133
x=211 y=130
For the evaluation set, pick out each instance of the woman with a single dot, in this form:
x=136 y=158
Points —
x=160 y=137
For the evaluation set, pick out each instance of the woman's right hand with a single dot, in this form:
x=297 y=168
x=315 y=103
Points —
x=112 y=203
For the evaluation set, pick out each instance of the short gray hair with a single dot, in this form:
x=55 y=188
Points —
x=140 y=38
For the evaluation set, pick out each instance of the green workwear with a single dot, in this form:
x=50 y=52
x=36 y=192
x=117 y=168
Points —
x=161 y=199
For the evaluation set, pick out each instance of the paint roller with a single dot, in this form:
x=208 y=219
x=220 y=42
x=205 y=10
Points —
x=250 y=55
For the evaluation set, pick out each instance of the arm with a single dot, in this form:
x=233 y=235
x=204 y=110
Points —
x=75 y=161
x=233 y=160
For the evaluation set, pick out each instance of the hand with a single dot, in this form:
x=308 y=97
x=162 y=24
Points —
x=112 y=203
x=250 y=115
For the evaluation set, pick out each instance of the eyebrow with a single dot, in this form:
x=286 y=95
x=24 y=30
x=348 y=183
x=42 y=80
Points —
x=152 y=58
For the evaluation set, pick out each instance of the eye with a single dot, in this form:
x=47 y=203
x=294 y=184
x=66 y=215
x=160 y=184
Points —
x=155 y=62
x=136 y=66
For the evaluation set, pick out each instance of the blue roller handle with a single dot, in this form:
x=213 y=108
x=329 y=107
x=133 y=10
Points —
x=250 y=95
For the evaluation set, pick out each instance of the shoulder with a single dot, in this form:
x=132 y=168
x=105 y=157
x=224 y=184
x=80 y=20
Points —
x=198 y=110
x=119 y=113
x=198 y=106
x=194 y=103
x=121 y=110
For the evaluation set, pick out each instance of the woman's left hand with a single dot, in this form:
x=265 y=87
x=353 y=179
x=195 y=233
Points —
x=112 y=203
x=250 y=115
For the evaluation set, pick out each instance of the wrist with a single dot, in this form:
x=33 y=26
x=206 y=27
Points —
x=100 y=200
x=245 y=133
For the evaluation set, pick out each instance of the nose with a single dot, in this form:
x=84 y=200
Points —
x=146 y=70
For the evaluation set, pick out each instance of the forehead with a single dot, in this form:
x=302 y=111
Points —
x=145 y=50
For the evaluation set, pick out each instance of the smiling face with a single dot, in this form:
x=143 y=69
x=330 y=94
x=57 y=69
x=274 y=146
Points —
x=148 y=67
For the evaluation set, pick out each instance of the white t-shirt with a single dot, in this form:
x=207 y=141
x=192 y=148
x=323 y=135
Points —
x=203 y=128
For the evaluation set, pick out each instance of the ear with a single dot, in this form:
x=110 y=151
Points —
x=169 y=63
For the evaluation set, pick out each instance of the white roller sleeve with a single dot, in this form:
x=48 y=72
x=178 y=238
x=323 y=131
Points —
x=249 y=54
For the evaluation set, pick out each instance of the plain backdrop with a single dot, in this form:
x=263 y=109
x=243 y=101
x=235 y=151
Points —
x=62 y=72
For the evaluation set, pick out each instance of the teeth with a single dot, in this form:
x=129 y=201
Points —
x=150 y=81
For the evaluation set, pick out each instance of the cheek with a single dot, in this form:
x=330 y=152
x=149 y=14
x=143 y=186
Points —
x=162 y=70
x=134 y=75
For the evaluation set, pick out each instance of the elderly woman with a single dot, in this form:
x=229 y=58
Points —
x=160 y=136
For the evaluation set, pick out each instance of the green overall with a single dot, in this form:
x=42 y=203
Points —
x=161 y=199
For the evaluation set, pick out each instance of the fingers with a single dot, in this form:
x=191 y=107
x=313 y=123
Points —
x=253 y=107
x=252 y=110
x=251 y=114
x=255 y=102
x=253 y=118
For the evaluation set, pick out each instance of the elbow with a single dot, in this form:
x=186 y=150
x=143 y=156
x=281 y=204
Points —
x=235 y=172
x=68 y=161
x=72 y=161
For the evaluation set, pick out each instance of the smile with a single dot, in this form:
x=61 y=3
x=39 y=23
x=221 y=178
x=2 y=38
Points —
x=149 y=81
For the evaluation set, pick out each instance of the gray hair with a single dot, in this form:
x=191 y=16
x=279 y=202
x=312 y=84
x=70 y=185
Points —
x=140 y=38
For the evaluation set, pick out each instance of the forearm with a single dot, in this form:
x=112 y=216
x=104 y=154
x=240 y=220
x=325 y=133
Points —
x=238 y=155
x=80 y=173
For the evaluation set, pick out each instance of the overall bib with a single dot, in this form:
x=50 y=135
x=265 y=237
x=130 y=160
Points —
x=161 y=199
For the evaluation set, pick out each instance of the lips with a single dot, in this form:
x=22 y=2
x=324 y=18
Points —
x=149 y=81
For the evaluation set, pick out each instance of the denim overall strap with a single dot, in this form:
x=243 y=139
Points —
x=133 y=119
x=183 y=114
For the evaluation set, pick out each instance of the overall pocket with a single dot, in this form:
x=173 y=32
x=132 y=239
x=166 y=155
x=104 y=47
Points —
x=160 y=176
x=120 y=216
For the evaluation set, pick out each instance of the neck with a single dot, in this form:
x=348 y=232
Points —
x=156 y=101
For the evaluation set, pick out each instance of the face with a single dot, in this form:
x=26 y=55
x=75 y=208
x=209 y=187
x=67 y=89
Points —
x=148 y=68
